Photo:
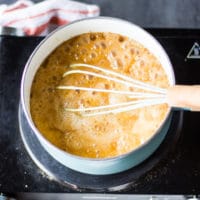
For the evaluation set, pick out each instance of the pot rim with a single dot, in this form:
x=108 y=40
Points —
x=40 y=135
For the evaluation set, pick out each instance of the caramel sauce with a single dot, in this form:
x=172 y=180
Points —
x=100 y=136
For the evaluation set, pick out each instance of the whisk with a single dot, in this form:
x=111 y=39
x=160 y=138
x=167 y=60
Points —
x=181 y=96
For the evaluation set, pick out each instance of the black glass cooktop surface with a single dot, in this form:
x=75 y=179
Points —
x=173 y=169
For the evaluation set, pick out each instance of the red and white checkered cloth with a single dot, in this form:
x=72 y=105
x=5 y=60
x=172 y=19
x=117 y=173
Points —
x=41 y=18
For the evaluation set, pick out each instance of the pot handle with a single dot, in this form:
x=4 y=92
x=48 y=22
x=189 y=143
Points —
x=184 y=96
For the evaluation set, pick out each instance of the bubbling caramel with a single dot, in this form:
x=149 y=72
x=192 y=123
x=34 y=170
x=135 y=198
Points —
x=101 y=136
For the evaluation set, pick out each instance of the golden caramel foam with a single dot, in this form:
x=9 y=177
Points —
x=100 y=136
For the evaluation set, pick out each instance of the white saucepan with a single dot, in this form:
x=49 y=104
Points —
x=100 y=24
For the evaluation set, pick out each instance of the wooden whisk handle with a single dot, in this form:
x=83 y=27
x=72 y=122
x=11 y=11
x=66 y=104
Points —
x=184 y=96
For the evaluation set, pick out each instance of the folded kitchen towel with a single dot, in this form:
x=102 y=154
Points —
x=41 y=18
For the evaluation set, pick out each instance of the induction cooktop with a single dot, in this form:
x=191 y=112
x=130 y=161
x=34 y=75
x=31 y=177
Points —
x=25 y=166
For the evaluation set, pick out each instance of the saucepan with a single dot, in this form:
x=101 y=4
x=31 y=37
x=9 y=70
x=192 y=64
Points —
x=100 y=24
